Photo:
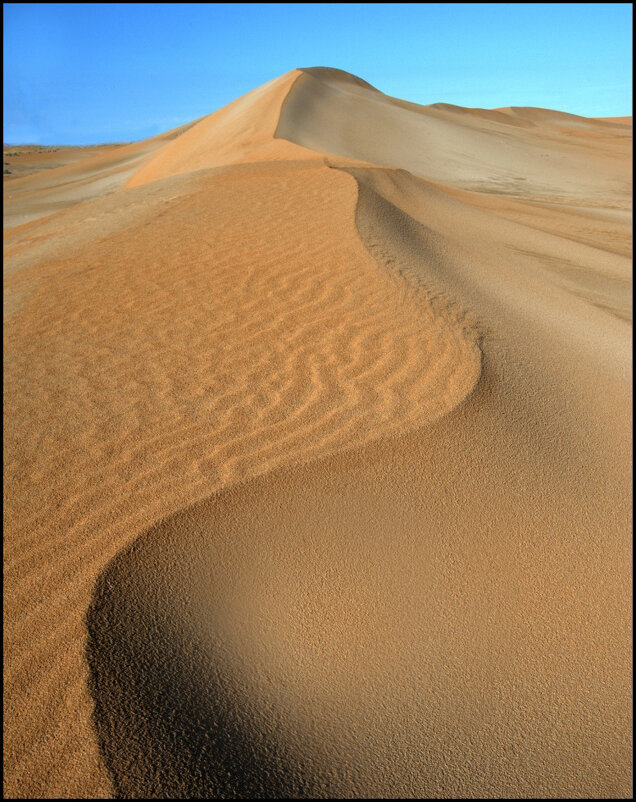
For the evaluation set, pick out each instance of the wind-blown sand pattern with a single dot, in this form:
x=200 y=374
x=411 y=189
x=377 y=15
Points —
x=317 y=455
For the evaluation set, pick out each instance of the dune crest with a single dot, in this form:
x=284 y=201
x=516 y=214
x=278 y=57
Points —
x=241 y=132
x=467 y=148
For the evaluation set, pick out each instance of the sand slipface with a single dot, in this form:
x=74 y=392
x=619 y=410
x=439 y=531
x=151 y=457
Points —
x=317 y=455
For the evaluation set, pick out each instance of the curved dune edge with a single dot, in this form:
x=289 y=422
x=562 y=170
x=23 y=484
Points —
x=302 y=667
x=314 y=348
x=441 y=614
x=438 y=614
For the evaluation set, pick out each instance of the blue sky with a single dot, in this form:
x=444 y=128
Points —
x=111 y=72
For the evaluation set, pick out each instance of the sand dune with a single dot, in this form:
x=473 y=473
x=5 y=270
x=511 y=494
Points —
x=460 y=147
x=317 y=455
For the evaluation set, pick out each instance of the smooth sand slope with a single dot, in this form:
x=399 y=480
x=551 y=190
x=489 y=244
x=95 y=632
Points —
x=24 y=160
x=66 y=178
x=318 y=455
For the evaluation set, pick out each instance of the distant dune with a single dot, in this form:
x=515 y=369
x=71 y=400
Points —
x=318 y=454
x=619 y=120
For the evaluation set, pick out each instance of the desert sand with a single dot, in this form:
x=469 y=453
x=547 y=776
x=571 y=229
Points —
x=317 y=454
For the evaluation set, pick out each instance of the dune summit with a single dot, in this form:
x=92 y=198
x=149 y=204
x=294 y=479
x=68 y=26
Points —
x=318 y=454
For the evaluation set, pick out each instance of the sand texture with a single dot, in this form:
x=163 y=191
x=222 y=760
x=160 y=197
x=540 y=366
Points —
x=317 y=454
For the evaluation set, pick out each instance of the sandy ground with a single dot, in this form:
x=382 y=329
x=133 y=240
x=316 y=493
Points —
x=21 y=160
x=47 y=180
x=318 y=455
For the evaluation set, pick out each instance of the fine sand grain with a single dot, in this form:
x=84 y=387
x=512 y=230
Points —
x=318 y=455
